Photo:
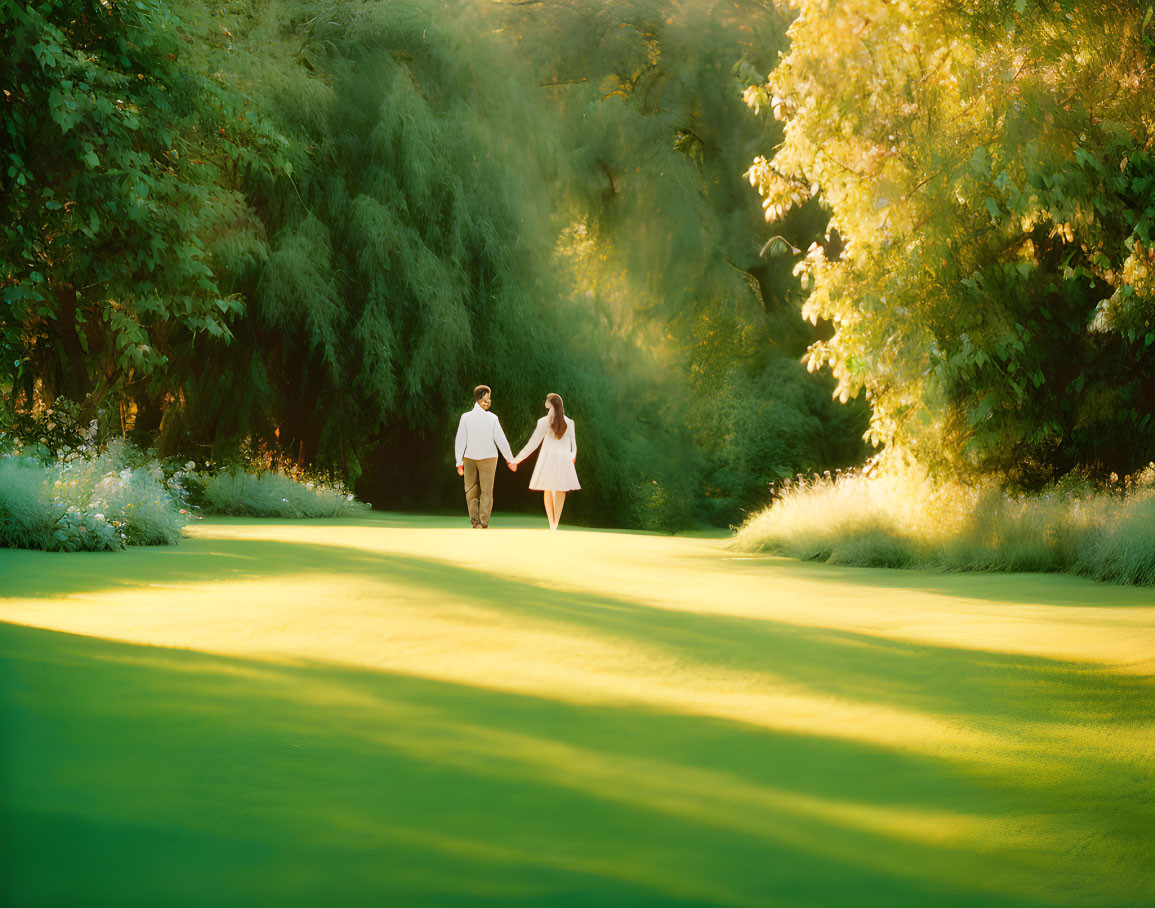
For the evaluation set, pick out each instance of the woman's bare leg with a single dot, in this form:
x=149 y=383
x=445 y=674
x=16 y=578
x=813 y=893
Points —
x=548 y=497
x=558 y=504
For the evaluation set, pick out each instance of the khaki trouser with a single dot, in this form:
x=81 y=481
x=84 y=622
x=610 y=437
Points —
x=479 y=488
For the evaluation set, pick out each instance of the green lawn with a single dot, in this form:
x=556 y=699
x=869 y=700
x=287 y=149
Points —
x=397 y=711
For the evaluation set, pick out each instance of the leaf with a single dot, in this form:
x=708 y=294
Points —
x=993 y=208
x=980 y=162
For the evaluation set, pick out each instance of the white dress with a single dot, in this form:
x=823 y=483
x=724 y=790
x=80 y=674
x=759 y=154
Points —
x=554 y=471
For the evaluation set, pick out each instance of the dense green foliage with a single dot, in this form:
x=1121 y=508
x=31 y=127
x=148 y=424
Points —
x=305 y=230
x=990 y=175
x=114 y=180
x=670 y=243
x=308 y=229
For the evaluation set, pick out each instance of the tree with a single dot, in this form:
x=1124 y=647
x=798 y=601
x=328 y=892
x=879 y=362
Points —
x=113 y=184
x=343 y=215
x=989 y=171
x=670 y=242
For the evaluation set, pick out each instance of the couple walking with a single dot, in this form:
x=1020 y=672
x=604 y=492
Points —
x=480 y=437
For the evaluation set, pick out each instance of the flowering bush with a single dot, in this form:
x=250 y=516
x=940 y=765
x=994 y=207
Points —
x=88 y=500
x=72 y=494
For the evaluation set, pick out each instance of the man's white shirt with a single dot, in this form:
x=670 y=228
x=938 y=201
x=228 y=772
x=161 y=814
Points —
x=479 y=436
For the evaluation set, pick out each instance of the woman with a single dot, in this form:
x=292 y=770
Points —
x=554 y=474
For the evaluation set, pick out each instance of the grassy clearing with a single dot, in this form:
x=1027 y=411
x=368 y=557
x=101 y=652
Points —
x=392 y=710
x=902 y=520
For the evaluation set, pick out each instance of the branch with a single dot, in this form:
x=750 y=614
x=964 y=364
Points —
x=772 y=239
x=838 y=162
x=609 y=176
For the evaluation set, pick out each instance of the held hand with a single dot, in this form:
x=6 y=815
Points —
x=512 y=464
x=461 y=471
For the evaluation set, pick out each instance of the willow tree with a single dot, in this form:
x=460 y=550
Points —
x=389 y=257
x=989 y=168
x=665 y=235
x=408 y=255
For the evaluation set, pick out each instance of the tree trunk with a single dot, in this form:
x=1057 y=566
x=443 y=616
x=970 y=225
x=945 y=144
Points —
x=72 y=379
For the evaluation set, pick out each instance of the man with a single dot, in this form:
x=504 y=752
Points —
x=479 y=436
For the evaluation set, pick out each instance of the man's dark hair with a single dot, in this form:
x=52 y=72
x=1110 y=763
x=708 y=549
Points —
x=480 y=391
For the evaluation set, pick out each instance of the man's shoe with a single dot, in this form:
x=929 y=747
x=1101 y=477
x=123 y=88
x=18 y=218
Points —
x=475 y=524
x=485 y=526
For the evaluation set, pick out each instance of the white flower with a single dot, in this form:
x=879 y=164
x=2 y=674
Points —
x=99 y=517
x=349 y=498
x=125 y=475
x=190 y=466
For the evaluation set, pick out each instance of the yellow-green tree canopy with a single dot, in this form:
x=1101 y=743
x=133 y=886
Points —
x=990 y=272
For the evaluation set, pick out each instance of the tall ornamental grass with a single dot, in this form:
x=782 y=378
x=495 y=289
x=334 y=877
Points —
x=275 y=494
x=902 y=519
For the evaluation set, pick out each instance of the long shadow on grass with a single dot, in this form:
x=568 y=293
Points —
x=140 y=776
x=1091 y=797
x=991 y=690
x=1022 y=588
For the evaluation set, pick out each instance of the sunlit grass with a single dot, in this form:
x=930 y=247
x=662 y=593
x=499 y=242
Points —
x=395 y=709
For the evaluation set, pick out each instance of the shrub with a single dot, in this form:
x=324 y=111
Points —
x=274 y=494
x=900 y=518
x=27 y=516
x=87 y=500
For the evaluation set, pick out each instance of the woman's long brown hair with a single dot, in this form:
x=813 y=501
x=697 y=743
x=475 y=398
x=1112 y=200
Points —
x=558 y=421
